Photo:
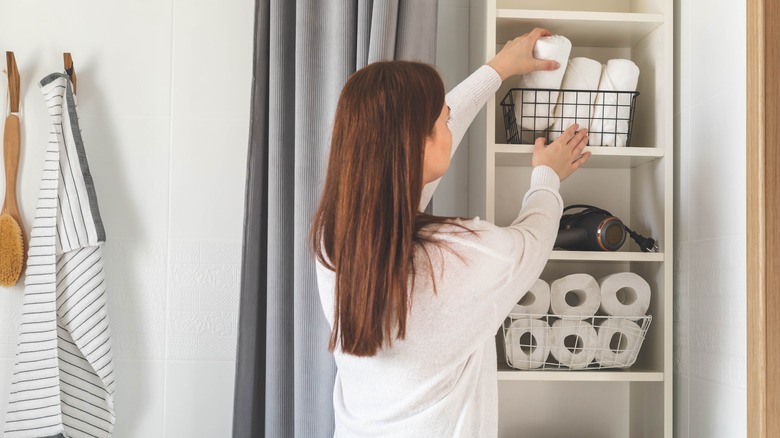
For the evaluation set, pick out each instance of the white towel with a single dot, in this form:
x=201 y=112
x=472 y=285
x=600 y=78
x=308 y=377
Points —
x=63 y=380
x=535 y=112
x=575 y=107
x=612 y=111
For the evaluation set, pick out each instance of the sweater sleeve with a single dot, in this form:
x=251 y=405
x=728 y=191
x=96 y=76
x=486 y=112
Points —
x=465 y=101
x=485 y=273
x=532 y=236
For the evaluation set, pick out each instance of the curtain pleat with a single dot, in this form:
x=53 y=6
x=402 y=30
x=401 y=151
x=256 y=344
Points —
x=362 y=36
x=280 y=359
x=384 y=22
x=417 y=20
x=249 y=395
x=305 y=50
x=323 y=64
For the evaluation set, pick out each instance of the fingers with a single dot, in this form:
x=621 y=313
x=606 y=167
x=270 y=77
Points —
x=546 y=65
x=538 y=33
x=580 y=146
x=580 y=161
x=541 y=32
x=539 y=144
x=568 y=134
x=534 y=35
x=577 y=138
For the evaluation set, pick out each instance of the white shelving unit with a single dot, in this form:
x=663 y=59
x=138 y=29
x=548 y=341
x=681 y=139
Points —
x=633 y=183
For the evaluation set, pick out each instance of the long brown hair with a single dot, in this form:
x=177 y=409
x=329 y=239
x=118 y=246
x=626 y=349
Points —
x=368 y=222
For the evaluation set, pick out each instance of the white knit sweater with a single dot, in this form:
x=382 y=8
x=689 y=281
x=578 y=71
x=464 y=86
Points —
x=440 y=381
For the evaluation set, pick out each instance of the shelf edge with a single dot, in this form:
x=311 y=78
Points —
x=537 y=14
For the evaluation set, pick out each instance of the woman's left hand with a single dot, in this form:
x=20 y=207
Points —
x=517 y=56
x=564 y=155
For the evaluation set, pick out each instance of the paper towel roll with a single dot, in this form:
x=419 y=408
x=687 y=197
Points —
x=625 y=294
x=536 y=300
x=575 y=107
x=535 y=111
x=579 y=354
x=611 y=111
x=623 y=349
x=532 y=352
x=583 y=292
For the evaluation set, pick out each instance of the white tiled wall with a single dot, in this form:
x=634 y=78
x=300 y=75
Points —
x=710 y=253
x=164 y=95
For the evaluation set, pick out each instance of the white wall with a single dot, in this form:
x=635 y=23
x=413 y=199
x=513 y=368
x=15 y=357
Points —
x=452 y=61
x=710 y=268
x=164 y=103
x=164 y=93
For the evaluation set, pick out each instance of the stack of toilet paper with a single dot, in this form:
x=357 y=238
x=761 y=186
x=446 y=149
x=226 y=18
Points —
x=579 y=322
x=582 y=91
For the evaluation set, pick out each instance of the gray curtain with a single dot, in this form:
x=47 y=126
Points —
x=304 y=52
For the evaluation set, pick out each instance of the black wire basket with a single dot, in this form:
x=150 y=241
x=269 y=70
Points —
x=530 y=113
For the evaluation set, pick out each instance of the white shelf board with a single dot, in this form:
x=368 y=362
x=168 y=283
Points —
x=601 y=156
x=633 y=374
x=603 y=256
x=584 y=29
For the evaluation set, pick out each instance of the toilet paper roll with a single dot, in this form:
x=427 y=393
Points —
x=575 y=107
x=584 y=295
x=579 y=353
x=624 y=348
x=532 y=352
x=535 y=301
x=624 y=294
x=611 y=111
x=535 y=111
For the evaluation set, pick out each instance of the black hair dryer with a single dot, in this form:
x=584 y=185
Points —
x=595 y=229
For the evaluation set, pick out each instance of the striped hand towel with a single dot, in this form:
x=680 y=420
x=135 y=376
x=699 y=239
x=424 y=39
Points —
x=63 y=379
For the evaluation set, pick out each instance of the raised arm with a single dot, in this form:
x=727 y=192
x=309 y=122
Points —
x=468 y=97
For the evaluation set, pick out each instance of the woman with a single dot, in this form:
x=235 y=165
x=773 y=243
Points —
x=414 y=300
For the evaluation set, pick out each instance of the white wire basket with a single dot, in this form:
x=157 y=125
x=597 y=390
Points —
x=550 y=342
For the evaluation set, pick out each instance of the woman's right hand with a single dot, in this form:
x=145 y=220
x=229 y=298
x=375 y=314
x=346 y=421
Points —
x=565 y=154
x=517 y=56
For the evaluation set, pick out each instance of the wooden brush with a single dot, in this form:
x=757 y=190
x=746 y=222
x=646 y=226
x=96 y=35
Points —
x=11 y=231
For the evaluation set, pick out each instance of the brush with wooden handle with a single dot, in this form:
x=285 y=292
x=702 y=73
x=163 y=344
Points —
x=11 y=231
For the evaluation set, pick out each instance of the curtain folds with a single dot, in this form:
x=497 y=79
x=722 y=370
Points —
x=304 y=52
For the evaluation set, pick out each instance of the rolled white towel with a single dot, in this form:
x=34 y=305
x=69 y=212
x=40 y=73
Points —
x=535 y=111
x=575 y=107
x=611 y=111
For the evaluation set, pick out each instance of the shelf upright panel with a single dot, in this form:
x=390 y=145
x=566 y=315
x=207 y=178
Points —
x=641 y=30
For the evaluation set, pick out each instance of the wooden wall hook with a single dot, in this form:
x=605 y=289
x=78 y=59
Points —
x=13 y=81
x=70 y=69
